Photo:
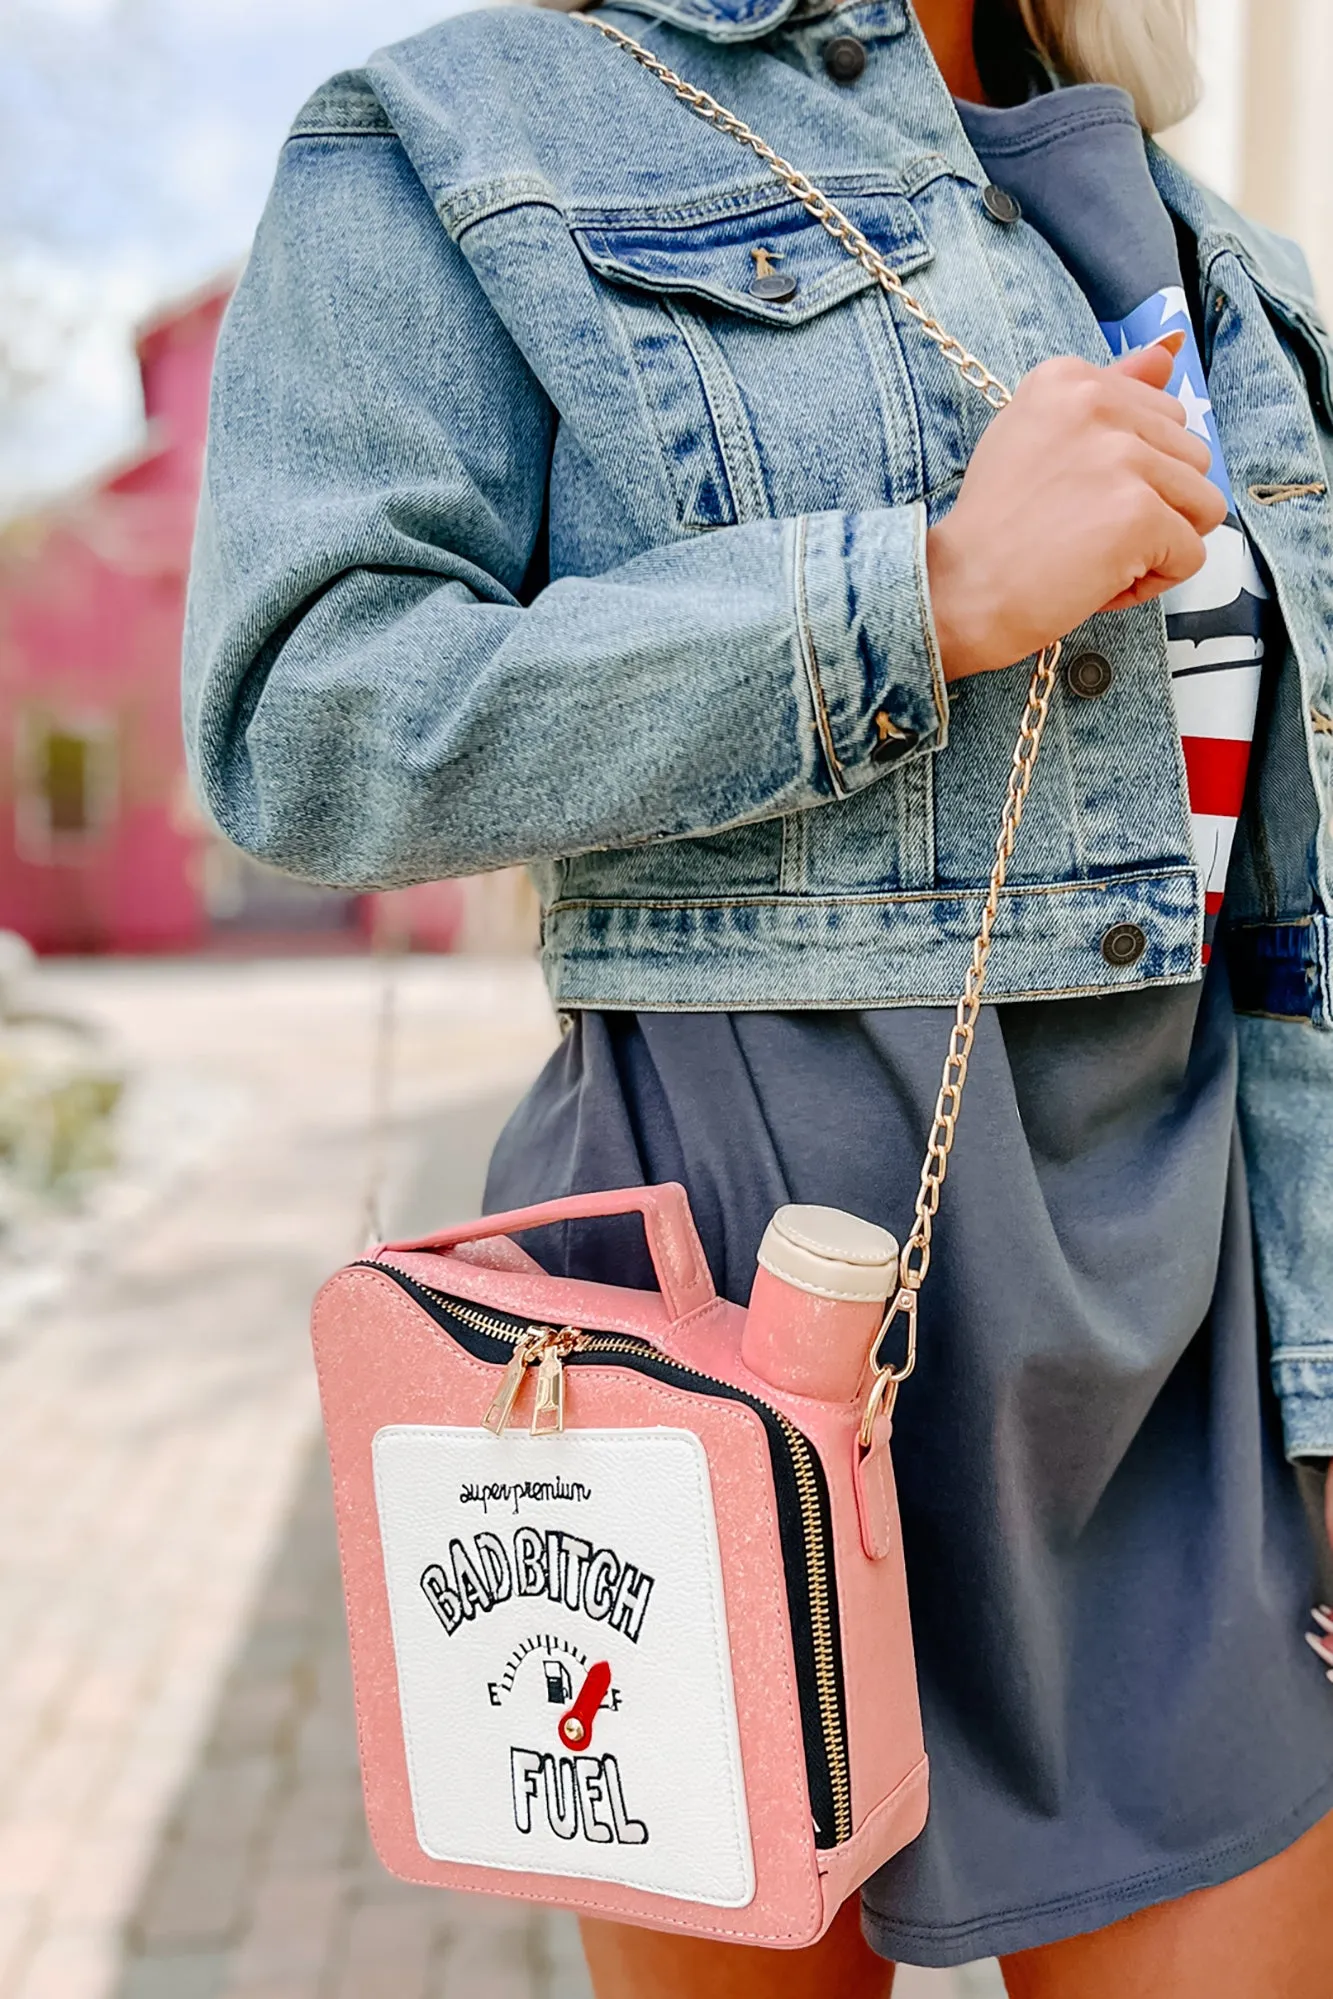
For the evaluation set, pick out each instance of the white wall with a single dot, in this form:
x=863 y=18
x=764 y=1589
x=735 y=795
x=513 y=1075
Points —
x=1263 y=136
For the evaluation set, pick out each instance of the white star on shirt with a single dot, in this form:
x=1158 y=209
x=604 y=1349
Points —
x=1175 y=303
x=1196 y=408
x=1125 y=347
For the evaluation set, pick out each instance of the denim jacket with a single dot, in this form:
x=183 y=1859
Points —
x=532 y=532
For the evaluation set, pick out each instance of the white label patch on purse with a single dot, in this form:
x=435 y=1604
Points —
x=563 y=1668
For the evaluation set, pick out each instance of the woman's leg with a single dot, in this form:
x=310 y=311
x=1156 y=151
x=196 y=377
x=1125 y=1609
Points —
x=627 y=1963
x=1269 y=1931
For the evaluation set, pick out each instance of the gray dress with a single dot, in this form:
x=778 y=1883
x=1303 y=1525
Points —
x=1109 y=1564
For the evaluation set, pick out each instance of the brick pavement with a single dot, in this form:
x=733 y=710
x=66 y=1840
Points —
x=265 y=1886
x=152 y=1423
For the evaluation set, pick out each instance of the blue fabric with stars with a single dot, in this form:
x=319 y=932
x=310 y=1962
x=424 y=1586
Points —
x=1167 y=311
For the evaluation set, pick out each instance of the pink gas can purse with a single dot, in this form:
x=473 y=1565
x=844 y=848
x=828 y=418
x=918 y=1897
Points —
x=624 y=1578
x=626 y=1597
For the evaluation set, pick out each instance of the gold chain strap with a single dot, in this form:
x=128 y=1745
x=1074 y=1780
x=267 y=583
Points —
x=944 y=1127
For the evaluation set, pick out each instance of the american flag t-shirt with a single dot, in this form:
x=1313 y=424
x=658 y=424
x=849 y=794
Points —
x=1214 y=623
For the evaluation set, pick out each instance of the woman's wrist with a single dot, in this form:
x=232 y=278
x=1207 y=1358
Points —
x=961 y=625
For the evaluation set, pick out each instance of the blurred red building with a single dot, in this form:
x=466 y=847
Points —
x=102 y=847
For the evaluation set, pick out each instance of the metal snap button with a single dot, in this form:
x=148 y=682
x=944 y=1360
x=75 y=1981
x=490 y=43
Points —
x=1089 y=675
x=1124 y=945
x=1001 y=206
x=777 y=287
x=845 y=58
x=892 y=741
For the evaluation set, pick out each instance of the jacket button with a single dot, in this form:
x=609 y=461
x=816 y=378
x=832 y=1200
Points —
x=845 y=58
x=1089 y=675
x=774 y=286
x=1124 y=945
x=1001 y=206
x=769 y=283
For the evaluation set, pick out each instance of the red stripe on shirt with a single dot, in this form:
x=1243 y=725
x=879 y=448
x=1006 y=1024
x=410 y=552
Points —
x=1216 y=770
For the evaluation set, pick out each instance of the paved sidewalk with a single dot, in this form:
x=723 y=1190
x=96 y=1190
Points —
x=154 y=1422
x=179 y=1808
x=265 y=1884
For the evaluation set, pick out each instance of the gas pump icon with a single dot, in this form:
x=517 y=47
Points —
x=559 y=1686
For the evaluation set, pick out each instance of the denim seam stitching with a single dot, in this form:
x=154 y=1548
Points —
x=926 y=618
x=330 y=131
x=727 y=201
x=869 y=1002
x=810 y=656
x=822 y=294
x=924 y=897
x=648 y=410
x=731 y=432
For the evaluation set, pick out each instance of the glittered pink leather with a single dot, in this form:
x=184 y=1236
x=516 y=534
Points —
x=876 y=1495
x=813 y=1346
x=383 y=1361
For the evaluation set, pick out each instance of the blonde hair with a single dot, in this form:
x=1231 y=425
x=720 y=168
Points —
x=1146 y=46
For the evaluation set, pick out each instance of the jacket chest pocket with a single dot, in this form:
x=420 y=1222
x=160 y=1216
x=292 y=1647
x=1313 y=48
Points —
x=766 y=359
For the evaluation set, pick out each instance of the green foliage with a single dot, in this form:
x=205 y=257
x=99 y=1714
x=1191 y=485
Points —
x=57 y=1103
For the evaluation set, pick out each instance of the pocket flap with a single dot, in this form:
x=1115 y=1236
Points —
x=714 y=258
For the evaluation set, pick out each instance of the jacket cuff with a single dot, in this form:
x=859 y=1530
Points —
x=1304 y=1383
x=869 y=637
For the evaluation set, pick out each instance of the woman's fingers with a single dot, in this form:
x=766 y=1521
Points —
x=1156 y=428
x=1154 y=364
x=1184 y=489
x=1323 y=1615
x=1161 y=549
x=1163 y=543
x=1133 y=402
x=1089 y=487
x=1146 y=591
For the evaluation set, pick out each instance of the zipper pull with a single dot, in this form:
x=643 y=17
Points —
x=548 y=1410
x=496 y=1419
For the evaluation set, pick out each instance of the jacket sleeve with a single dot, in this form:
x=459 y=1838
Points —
x=1286 y=1102
x=371 y=695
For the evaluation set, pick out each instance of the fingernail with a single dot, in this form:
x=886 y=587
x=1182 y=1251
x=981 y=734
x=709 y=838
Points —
x=1318 y=1646
x=1323 y=1617
x=1173 y=342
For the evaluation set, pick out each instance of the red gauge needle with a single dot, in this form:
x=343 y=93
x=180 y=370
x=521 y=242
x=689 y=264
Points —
x=575 y=1729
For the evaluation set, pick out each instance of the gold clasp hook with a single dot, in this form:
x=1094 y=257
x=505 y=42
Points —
x=888 y=1380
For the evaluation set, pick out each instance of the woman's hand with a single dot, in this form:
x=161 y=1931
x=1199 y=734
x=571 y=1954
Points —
x=1086 y=494
x=1323 y=1617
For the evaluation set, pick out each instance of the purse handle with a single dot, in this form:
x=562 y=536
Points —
x=886 y=1378
x=681 y=1268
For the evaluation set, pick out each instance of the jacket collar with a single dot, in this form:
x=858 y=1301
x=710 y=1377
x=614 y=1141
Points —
x=718 y=20
x=1277 y=265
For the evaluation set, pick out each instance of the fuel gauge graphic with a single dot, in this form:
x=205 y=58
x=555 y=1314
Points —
x=546 y=1672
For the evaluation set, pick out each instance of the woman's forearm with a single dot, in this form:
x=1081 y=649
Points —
x=405 y=727
x=374 y=696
